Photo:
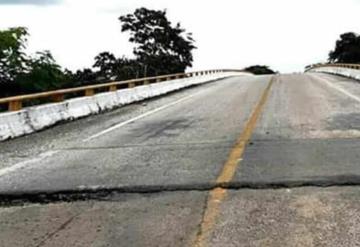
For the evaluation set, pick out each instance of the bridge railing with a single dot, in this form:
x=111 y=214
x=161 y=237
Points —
x=15 y=103
x=341 y=65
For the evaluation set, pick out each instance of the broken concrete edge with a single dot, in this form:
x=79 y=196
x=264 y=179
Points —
x=346 y=72
x=36 y=118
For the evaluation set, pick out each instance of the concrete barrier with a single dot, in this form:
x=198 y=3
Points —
x=46 y=115
x=32 y=119
x=14 y=124
x=347 y=72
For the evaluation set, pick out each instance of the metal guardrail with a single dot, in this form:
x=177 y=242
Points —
x=15 y=103
x=342 y=65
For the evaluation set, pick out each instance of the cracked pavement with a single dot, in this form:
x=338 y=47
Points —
x=147 y=183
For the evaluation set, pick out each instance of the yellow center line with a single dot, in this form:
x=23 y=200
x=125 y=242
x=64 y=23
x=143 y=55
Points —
x=217 y=195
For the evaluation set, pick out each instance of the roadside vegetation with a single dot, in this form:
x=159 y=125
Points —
x=347 y=50
x=159 y=48
x=260 y=70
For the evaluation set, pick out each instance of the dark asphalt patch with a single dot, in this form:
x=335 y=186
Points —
x=285 y=161
x=106 y=194
x=45 y=197
x=348 y=121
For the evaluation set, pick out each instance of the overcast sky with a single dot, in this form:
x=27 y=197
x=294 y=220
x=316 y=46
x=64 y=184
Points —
x=284 y=34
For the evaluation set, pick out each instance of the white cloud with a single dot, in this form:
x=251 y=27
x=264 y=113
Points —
x=287 y=35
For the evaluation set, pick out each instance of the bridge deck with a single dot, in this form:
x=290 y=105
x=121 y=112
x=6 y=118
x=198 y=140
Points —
x=142 y=175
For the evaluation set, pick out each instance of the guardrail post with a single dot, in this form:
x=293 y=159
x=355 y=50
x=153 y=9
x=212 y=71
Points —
x=146 y=82
x=113 y=88
x=131 y=84
x=158 y=80
x=15 y=105
x=89 y=92
x=57 y=98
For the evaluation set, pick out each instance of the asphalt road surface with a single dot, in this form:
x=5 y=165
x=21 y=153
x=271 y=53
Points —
x=243 y=161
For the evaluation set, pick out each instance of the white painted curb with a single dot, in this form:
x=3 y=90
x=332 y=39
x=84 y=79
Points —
x=32 y=119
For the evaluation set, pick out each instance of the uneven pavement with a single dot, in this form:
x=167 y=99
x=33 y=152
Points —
x=243 y=161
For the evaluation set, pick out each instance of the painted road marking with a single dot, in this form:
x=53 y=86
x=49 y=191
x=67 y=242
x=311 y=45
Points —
x=217 y=195
x=338 y=88
x=106 y=131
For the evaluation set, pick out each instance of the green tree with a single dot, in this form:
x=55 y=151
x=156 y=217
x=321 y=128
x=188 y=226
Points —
x=82 y=77
x=111 y=68
x=20 y=73
x=13 y=60
x=160 y=47
x=106 y=62
x=44 y=74
x=259 y=70
x=347 y=49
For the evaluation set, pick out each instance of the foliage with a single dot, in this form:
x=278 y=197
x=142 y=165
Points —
x=347 y=49
x=12 y=57
x=44 y=74
x=81 y=77
x=106 y=63
x=111 y=68
x=160 y=47
x=259 y=70
x=20 y=73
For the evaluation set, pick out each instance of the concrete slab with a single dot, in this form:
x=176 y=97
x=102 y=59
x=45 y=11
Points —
x=182 y=146
x=164 y=219
x=289 y=217
x=300 y=162
x=132 y=168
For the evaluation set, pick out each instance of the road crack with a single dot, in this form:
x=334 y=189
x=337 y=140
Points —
x=52 y=234
x=104 y=194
